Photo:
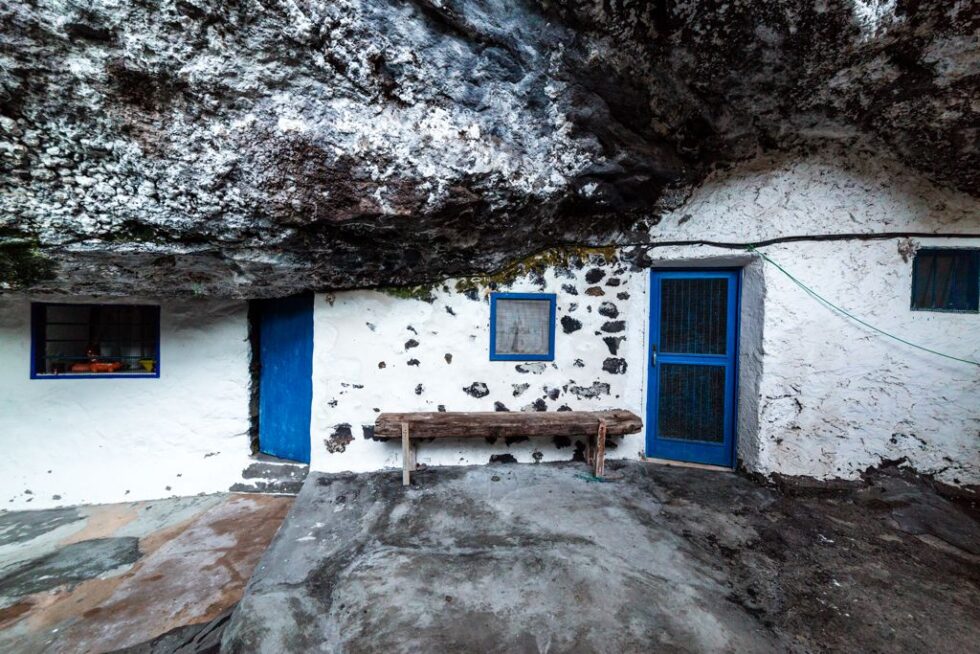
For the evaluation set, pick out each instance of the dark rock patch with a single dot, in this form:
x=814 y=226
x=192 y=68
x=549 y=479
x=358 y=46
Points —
x=410 y=343
x=419 y=389
x=519 y=389
x=502 y=458
x=608 y=309
x=561 y=441
x=569 y=289
x=414 y=362
x=477 y=389
x=595 y=275
x=612 y=342
x=615 y=366
x=595 y=291
x=500 y=406
x=569 y=324
x=340 y=438
x=532 y=368
x=448 y=357
x=589 y=392
x=613 y=326
x=622 y=296
x=613 y=281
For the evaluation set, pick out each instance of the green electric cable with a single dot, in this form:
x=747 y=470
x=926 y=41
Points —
x=833 y=306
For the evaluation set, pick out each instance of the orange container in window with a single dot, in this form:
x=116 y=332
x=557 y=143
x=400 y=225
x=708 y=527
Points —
x=81 y=367
x=105 y=367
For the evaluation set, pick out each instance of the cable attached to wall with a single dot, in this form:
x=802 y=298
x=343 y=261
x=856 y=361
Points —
x=831 y=305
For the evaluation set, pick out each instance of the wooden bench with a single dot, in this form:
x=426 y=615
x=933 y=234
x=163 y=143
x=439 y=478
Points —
x=594 y=425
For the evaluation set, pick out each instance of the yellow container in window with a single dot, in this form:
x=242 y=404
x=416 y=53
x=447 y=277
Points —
x=148 y=364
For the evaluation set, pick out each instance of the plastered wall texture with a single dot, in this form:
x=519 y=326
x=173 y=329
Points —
x=75 y=441
x=826 y=398
x=374 y=352
x=820 y=396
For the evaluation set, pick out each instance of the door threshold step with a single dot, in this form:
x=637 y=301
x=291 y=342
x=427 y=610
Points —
x=686 y=464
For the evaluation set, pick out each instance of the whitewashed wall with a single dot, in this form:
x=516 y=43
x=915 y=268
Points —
x=72 y=441
x=820 y=396
x=365 y=360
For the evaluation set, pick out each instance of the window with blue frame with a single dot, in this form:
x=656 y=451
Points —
x=522 y=326
x=946 y=279
x=94 y=340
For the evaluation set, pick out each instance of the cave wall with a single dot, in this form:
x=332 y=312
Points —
x=819 y=396
x=257 y=148
x=83 y=441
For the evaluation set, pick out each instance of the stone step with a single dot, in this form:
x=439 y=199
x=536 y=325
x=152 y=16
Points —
x=271 y=475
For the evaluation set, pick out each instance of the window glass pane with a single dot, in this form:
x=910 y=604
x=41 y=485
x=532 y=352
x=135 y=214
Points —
x=694 y=316
x=692 y=402
x=523 y=326
x=95 y=339
x=946 y=280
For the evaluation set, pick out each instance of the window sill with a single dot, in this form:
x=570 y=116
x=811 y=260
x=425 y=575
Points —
x=98 y=375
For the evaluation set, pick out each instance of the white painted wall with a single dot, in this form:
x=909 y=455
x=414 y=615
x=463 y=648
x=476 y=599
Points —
x=358 y=331
x=838 y=398
x=73 y=441
x=820 y=396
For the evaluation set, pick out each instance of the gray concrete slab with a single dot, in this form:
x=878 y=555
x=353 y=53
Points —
x=537 y=558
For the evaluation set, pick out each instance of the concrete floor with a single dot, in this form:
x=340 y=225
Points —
x=103 y=577
x=537 y=558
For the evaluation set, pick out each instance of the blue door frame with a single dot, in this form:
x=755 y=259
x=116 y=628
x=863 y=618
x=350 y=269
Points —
x=286 y=377
x=684 y=396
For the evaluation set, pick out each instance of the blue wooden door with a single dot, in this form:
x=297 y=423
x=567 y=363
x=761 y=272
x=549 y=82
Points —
x=693 y=352
x=286 y=377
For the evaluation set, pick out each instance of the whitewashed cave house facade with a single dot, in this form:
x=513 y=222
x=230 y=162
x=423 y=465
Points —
x=727 y=359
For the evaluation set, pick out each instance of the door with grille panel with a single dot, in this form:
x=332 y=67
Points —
x=693 y=351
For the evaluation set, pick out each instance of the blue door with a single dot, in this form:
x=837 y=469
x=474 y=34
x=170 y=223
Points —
x=286 y=377
x=693 y=353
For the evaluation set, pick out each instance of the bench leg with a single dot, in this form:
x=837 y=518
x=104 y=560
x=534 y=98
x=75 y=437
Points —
x=600 y=450
x=406 y=456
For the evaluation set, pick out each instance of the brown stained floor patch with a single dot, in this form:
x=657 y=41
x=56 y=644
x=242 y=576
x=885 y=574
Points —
x=61 y=606
x=103 y=521
x=12 y=614
x=191 y=578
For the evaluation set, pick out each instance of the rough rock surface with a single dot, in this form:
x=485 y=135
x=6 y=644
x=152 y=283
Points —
x=536 y=558
x=258 y=147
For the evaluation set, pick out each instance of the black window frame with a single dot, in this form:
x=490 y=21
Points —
x=39 y=340
x=973 y=293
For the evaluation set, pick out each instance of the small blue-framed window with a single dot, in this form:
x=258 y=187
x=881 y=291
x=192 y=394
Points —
x=522 y=326
x=946 y=279
x=94 y=341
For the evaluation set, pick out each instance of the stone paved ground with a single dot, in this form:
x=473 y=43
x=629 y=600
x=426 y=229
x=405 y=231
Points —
x=103 y=577
x=535 y=558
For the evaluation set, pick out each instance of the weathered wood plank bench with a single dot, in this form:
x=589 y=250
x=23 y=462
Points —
x=595 y=425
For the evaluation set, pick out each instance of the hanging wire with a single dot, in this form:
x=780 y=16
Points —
x=833 y=306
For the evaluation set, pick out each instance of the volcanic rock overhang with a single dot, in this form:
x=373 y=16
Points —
x=260 y=147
